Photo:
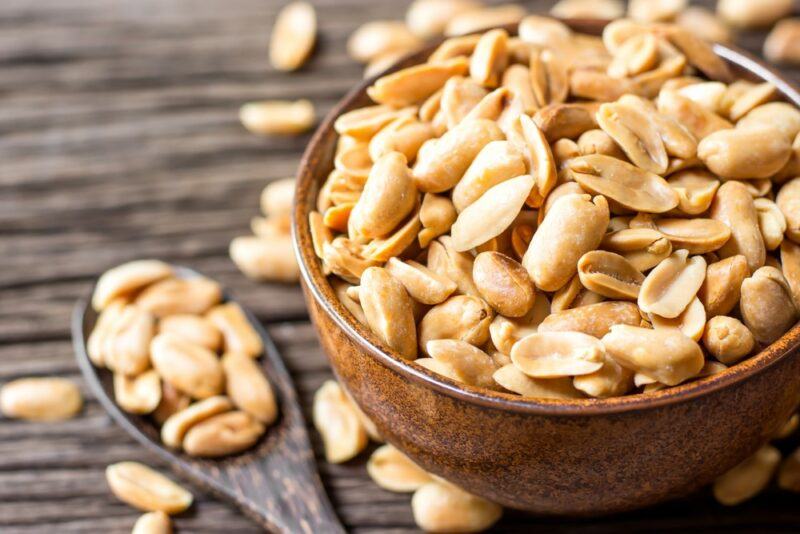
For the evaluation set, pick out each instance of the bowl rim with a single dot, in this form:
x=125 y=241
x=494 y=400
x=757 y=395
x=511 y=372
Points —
x=319 y=288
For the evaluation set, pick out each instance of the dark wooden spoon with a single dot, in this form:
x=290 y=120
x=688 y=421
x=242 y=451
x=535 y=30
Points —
x=275 y=483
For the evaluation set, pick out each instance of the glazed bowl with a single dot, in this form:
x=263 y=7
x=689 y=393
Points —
x=576 y=457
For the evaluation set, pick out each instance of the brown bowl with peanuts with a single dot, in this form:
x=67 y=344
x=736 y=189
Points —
x=558 y=264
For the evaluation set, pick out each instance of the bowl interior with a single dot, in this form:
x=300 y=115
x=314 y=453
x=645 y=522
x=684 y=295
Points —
x=317 y=162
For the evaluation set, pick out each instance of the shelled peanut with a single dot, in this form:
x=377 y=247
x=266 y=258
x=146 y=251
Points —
x=183 y=356
x=566 y=216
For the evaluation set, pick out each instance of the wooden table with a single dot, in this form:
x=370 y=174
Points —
x=119 y=139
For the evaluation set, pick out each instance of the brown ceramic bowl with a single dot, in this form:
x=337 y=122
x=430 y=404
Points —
x=581 y=457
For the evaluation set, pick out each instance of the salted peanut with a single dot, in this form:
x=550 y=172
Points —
x=750 y=99
x=771 y=222
x=785 y=117
x=138 y=394
x=558 y=354
x=346 y=258
x=277 y=117
x=781 y=45
x=620 y=222
x=462 y=317
x=222 y=435
x=678 y=141
x=575 y=225
x=439 y=506
x=659 y=11
x=437 y=214
x=405 y=135
x=637 y=136
x=747 y=479
x=394 y=471
x=126 y=347
x=180 y=295
x=491 y=214
x=423 y=284
x=503 y=283
x=153 y=523
x=172 y=401
x=341 y=289
x=698 y=236
x=457 y=266
x=707 y=94
x=611 y=380
x=665 y=355
x=468 y=363
x=531 y=141
x=338 y=423
x=248 y=388
x=695 y=117
x=672 y=284
x=484 y=17
x=428 y=18
x=497 y=162
x=195 y=329
x=40 y=399
x=567 y=188
x=95 y=345
x=569 y=121
x=459 y=96
x=636 y=55
x=721 y=288
x=441 y=167
x=727 y=339
x=354 y=164
x=549 y=77
x=598 y=142
x=696 y=189
x=490 y=57
x=609 y=275
x=643 y=220
x=146 y=489
x=380 y=37
x=592 y=84
x=618 y=31
x=733 y=205
x=625 y=184
x=691 y=322
x=191 y=368
x=517 y=79
x=320 y=233
x=178 y=424
x=767 y=305
x=293 y=36
x=126 y=279
x=790 y=262
x=744 y=14
x=454 y=47
x=788 y=200
x=363 y=123
x=413 y=85
x=595 y=319
x=745 y=153
x=789 y=473
x=699 y=53
x=543 y=31
x=438 y=367
x=514 y=380
x=265 y=258
x=702 y=22
x=388 y=197
x=643 y=248
x=277 y=197
x=505 y=331
x=237 y=332
x=789 y=427
x=389 y=311
x=601 y=9
x=274 y=225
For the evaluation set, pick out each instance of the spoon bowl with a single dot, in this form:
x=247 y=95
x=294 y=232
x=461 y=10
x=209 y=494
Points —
x=275 y=483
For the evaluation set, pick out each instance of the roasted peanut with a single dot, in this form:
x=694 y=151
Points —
x=139 y=394
x=40 y=399
x=484 y=17
x=146 y=489
x=389 y=311
x=734 y=206
x=704 y=24
x=698 y=236
x=457 y=266
x=237 y=333
x=788 y=200
x=691 y=322
x=293 y=36
x=643 y=248
x=153 y=523
x=696 y=189
x=497 y=162
x=742 y=13
x=721 y=288
x=191 y=368
x=558 y=354
x=126 y=347
x=727 y=339
x=265 y=258
x=790 y=263
x=665 y=355
x=463 y=318
x=781 y=45
x=745 y=152
x=177 y=295
x=609 y=275
x=223 y=434
x=248 y=388
x=602 y=9
x=610 y=380
x=439 y=506
x=178 y=424
x=277 y=117
x=394 y=471
x=437 y=214
x=674 y=282
x=380 y=37
x=413 y=85
x=467 y=363
x=197 y=330
x=749 y=478
x=338 y=423
x=767 y=305
x=503 y=283
x=428 y=18
x=126 y=279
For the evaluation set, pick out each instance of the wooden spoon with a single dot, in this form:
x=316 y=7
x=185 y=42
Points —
x=275 y=483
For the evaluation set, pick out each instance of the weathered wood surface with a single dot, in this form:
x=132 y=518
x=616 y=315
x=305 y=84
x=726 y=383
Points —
x=118 y=140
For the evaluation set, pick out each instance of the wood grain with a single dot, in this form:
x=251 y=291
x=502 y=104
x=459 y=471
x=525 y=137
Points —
x=119 y=140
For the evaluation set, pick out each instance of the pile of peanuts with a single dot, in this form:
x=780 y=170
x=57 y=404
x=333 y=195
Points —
x=564 y=216
x=161 y=336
